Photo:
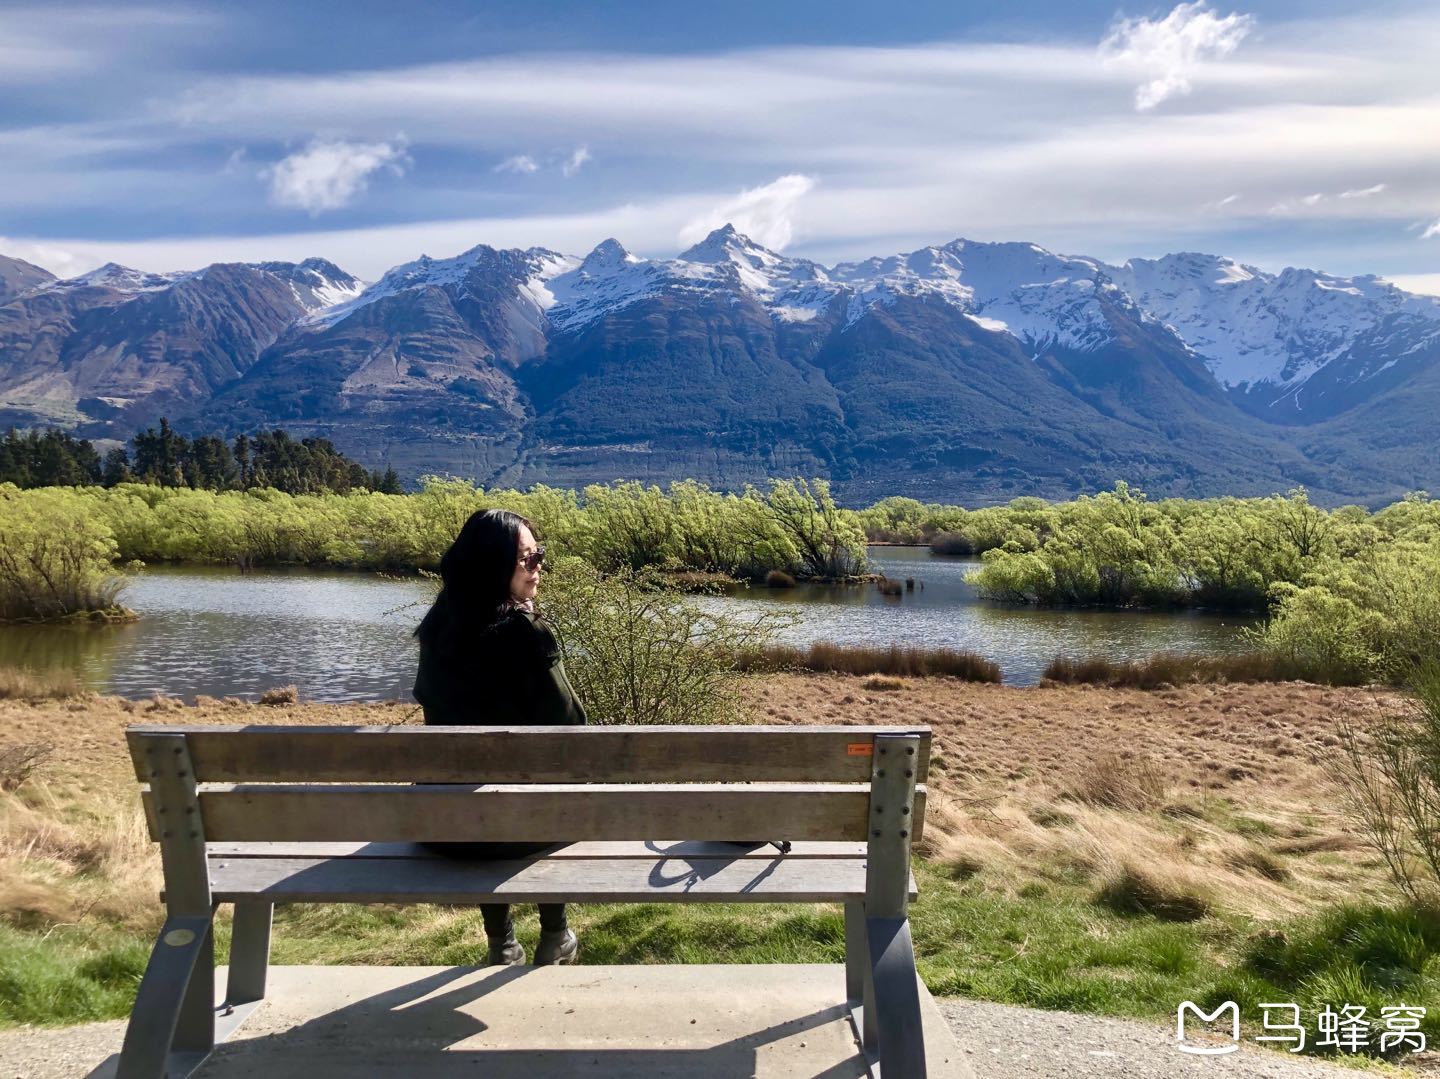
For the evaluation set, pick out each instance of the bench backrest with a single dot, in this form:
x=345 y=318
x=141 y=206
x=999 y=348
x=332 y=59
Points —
x=319 y=784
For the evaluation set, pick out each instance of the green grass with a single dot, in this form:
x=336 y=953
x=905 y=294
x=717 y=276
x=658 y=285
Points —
x=1050 y=947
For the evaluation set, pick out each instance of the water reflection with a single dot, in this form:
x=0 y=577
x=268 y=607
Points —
x=340 y=637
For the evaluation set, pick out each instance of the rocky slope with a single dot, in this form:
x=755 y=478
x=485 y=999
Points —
x=967 y=371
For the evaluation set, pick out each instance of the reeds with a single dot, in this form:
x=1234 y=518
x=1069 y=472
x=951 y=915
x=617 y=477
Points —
x=17 y=683
x=827 y=656
x=1166 y=669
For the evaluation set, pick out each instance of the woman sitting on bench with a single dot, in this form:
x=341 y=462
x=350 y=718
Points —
x=487 y=657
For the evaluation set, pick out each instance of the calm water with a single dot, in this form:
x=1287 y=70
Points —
x=343 y=636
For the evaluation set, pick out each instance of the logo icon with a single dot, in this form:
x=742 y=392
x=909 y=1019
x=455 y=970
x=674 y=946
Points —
x=1208 y=1050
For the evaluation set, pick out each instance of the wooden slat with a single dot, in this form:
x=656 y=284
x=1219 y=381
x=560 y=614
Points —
x=578 y=880
x=612 y=754
x=538 y=813
x=594 y=849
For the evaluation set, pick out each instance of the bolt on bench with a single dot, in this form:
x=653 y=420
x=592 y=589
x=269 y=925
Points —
x=261 y=815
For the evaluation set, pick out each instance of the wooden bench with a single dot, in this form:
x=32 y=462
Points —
x=261 y=815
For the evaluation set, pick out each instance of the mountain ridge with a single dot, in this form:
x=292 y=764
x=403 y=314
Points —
x=732 y=361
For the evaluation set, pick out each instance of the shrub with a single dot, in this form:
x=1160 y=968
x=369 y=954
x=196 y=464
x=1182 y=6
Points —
x=952 y=543
x=18 y=763
x=779 y=579
x=1391 y=774
x=638 y=651
x=55 y=559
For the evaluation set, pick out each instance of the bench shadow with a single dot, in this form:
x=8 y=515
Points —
x=700 y=866
x=411 y=1030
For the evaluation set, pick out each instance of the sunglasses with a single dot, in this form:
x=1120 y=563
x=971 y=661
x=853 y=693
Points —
x=533 y=561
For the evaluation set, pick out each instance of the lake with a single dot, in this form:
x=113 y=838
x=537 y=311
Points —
x=346 y=636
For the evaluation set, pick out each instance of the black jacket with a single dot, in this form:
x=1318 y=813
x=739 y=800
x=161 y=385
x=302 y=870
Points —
x=511 y=675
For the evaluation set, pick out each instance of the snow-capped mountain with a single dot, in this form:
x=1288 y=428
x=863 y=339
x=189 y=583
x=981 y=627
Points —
x=123 y=344
x=987 y=368
x=1261 y=335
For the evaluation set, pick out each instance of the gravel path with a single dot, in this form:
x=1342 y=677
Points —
x=1020 y=1043
x=1002 y=1041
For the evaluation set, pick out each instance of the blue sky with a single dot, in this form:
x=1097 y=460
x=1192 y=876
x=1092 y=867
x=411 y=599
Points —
x=167 y=137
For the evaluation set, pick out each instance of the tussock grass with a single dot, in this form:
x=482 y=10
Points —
x=278 y=695
x=883 y=682
x=1166 y=669
x=18 y=683
x=777 y=578
x=1120 y=781
x=826 y=656
x=1133 y=888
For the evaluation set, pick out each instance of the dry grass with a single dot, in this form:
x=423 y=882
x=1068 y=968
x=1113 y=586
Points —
x=1225 y=798
x=1135 y=887
x=17 y=683
x=280 y=695
x=1121 y=780
x=827 y=657
x=63 y=859
x=883 y=682
x=1168 y=669
x=18 y=763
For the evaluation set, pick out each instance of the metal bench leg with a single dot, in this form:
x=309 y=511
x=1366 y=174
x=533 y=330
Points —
x=859 y=981
x=172 y=1027
x=897 y=998
x=249 y=953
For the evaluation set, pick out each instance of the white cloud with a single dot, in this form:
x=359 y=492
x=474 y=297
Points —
x=1425 y=283
x=1312 y=200
x=766 y=214
x=576 y=160
x=328 y=175
x=1363 y=192
x=1433 y=230
x=1170 y=50
x=60 y=261
x=520 y=163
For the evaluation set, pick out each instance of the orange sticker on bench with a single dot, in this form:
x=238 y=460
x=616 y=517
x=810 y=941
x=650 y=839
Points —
x=860 y=749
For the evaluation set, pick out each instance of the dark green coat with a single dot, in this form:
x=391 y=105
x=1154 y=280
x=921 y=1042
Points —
x=510 y=676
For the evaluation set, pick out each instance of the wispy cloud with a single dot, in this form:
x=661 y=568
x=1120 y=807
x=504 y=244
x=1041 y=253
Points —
x=1363 y=192
x=520 y=163
x=329 y=175
x=1433 y=230
x=1172 y=49
x=766 y=214
x=576 y=160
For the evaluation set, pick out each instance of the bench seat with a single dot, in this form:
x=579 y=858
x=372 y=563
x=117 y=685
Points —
x=592 y=872
x=261 y=815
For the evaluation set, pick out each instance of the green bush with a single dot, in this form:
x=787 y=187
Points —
x=638 y=651
x=55 y=559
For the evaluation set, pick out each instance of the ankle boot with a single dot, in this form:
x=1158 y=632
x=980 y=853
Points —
x=557 y=948
x=505 y=952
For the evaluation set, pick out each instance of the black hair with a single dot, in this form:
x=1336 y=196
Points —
x=475 y=574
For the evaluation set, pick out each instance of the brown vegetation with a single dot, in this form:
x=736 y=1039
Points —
x=828 y=657
x=1167 y=669
x=1223 y=803
x=17 y=682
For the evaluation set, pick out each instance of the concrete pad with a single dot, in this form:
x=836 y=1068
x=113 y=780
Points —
x=601 y=1022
